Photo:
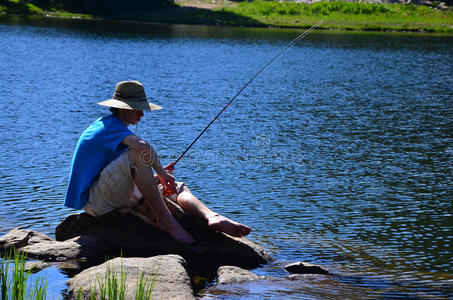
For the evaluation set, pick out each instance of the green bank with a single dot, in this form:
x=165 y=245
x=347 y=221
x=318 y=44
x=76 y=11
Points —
x=348 y=15
x=338 y=15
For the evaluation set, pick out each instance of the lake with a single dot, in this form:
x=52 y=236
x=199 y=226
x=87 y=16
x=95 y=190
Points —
x=339 y=154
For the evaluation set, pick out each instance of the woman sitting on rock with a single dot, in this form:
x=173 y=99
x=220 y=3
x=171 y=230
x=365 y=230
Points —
x=110 y=163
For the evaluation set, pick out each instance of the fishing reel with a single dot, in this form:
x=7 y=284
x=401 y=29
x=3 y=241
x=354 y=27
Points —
x=167 y=189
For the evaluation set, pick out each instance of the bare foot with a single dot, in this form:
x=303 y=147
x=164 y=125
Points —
x=175 y=230
x=225 y=225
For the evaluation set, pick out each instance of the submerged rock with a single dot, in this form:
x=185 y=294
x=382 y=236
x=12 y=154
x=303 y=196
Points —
x=35 y=266
x=305 y=268
x=233 y=274
x=233 y=281
x=169 y=273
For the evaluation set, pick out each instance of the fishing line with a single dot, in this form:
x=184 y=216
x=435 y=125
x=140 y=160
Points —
x=300 y=37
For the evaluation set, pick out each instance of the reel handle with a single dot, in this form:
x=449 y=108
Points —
x=167 y=190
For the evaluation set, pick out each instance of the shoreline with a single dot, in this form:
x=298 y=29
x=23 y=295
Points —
x=203 y=12
x=319 y=29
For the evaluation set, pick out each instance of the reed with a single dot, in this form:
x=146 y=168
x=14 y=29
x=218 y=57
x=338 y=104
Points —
x=17 y=284
x=15 y=281
x=146 y=284
x=112 y=287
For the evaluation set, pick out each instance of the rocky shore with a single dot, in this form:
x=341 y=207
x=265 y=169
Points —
x=83 y=245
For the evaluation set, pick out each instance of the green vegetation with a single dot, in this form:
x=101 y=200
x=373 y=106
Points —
x=145 y=286
x=15 y=283
x=113 y=288
x=20 y=7
x=347 y=15
x=109 y=286
x=78 y=6
x=339 y=15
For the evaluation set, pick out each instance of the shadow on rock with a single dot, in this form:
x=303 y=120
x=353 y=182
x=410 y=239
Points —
x=129 y=236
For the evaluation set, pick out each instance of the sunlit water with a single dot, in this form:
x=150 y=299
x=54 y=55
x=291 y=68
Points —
x=339 y=154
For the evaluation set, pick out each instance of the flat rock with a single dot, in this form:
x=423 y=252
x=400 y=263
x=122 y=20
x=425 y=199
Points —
x=40 y=246
x=233 y=274
x=170 y=272
x=17 y=238
x=80 y=247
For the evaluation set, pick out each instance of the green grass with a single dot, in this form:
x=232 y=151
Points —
x=346 y=15
x=146 y=285
x=21 y=7
x=15 y=282
x=112 y=286
x=65 y=14
x=339 y=15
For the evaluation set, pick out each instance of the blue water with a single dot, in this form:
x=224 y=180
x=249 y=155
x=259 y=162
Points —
x=339 y=154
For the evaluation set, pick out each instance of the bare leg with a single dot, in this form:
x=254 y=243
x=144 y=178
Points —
x=215 y=221
x=144 y=179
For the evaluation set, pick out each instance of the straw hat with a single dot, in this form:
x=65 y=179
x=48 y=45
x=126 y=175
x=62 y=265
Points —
x=130 y=95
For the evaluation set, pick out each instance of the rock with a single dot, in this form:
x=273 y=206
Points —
x=442 y=5
x=18 y=238
x=128 y=235
x=40 y=246
x=305 y=268
x=35 y=266
x=171 y=278
x=233 y=281
x=83 y=241
x=82 y=247
x=232 y=274
x=70 y=268
x=310 y=278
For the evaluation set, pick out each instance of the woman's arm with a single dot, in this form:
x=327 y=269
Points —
x=147 y=154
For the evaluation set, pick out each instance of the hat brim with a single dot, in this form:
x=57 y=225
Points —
x=137 y=105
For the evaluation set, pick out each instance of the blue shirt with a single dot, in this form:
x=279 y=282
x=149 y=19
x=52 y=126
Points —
x=98 y=145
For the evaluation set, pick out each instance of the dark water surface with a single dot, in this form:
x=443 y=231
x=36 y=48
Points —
x=340 y=154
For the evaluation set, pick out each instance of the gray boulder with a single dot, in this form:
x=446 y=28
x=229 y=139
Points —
x=125 y=234
x=171 y=280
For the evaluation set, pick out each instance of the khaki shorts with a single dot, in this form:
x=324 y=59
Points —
x=115 y=188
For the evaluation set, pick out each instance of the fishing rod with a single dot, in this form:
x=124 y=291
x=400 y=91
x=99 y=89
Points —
x=300 y=37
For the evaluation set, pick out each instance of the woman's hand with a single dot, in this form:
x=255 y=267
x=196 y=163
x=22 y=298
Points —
x=168 y=181
x=170 y=168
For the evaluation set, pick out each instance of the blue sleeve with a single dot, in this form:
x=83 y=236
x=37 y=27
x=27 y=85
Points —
x=114 y=135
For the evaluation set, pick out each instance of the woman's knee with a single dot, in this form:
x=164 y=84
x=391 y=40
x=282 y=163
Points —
x=183 y=198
